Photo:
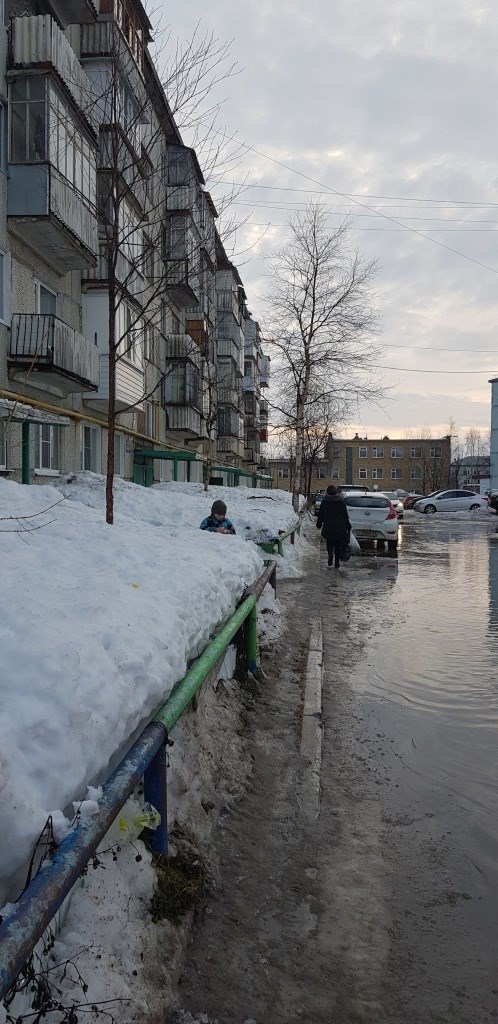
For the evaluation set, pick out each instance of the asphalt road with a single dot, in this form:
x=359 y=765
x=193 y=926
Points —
x=384 y=907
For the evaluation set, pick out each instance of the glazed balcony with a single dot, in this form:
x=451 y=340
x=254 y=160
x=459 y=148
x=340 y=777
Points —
x=180 y=283
x=130 y=386
x=46 y=213
x=36 y=41
x=264 y=372
x=46 y=350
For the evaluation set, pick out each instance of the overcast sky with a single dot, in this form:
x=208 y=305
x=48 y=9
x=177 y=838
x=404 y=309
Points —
x=385 y=108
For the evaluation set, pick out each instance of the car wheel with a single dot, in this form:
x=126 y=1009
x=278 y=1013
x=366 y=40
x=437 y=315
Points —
x=473 y=507
x=430 y=510
x=392 y=545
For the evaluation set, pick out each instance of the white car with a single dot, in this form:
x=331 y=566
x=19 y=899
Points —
x=396 y=500
x=450 y=501
x=373 y=517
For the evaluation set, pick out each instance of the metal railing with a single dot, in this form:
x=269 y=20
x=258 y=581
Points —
x=34 y=910
x=276 y=545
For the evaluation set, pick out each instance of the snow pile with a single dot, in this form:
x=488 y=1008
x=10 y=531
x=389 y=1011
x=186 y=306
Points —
x=98 y=623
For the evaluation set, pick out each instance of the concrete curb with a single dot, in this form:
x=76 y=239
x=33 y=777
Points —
x=312 y=727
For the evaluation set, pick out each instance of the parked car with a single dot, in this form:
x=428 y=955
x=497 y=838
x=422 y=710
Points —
x=450 y=501
x=396 y=500
x=319 y=496
x=373 y=517
x=410 y=499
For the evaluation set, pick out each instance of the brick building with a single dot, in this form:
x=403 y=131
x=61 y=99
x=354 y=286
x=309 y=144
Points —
x=409 y=464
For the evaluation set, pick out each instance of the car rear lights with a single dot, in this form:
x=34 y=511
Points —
x=392 y=514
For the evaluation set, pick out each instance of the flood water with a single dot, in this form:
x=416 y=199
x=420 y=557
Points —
x=429 y=684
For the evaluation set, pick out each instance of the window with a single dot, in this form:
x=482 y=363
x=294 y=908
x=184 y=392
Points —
x=436 y=451
x=362 y=474
x=148 y=259
x=3 y=133
x=283 y=472
x=377 y=474
x=378 y=452
x=362 y=452
x=175 y=238
x=47 y=448
x=321 y=472
x=178 y=165
x=416 y=473
x=335 y=474
x=149 y=342
x=396 y=474
x=28 y=118
x=118 y=454
x=4 y=286
x=45 y=299
x=397 y=452
x=91 y=448
x=150 y=419
x=3 y=445
x=69 y=150
x=416 y=452
x=130 y=334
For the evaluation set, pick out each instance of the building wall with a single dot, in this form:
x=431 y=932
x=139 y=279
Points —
x=416 y=464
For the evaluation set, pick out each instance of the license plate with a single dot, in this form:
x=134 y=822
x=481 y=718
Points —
x=364 y=533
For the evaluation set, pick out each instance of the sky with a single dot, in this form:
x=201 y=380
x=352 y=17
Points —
x=100 y=611
x=385 y=112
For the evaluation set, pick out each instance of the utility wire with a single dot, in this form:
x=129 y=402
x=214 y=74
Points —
x=360 y=195
x=350 y=196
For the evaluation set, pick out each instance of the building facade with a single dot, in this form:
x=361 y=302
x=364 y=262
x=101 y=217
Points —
x=114 y=289
x=420 y=465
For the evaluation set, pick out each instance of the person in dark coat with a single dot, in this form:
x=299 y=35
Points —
x=217 y=522
x=334 y=522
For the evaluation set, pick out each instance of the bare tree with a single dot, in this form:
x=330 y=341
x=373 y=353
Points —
x=321 y=323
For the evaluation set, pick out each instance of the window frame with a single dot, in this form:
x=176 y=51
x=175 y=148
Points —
x=378 y=473
x=378 y=451
x=283 y=472
x=396 y=452
x=53 y=445
x=363 y=474
x=363 y=451
x=95 y=447
x=396 y=473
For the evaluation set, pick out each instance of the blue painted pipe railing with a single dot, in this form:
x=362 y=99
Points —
x=34 y=910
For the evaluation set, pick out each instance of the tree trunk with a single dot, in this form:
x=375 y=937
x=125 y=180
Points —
x=111 y=415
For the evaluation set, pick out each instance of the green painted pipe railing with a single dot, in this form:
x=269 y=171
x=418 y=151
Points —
x=35 y=908
x=277 y=544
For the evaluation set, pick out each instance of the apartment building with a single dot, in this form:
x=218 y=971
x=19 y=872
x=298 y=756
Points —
x=409 y=464
x=255 y=380
x=111 y=292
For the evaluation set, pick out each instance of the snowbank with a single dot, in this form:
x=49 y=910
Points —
x=98 y=623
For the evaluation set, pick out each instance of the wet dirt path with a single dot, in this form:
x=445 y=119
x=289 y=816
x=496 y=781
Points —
x=383 y=909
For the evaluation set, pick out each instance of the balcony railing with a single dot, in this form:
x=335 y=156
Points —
x=182 y=346
x=185 y=419
x=36 y=40
x=249 y=383
x=58 y=222
x=42 y=344
x=127 y=275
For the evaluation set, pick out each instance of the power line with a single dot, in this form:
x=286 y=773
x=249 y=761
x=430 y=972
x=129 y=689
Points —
x=360 y=195
x=346 y=195
x=402 y=369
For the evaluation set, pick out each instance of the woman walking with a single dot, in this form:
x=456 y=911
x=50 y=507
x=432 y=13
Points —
x=334 y=520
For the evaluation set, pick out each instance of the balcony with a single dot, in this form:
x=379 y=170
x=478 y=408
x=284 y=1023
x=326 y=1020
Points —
x=181 y=346
x=130 y=386
x=186 y=420
x=76 y=12
x=249 y=383
x=181 y=284
x=46 y=350
x=36 y=41
x=264 y=372
x=46 y=213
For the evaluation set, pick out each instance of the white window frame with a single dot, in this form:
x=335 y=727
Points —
x=378 y=452
x=283 y=472
x=5 y=287
x=363 y=452
x=3 y=444
x=416 y=473
x=436 y=451
x=416 y=452
x=396 y=473
x=38 y=285
x=321 y=472
x=362 y=474
x=377 y=474
x=335 y=474
x=397 y=452
x=49 y=436
x=95 y=448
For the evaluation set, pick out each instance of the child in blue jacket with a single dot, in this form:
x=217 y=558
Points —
x=217 y=521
